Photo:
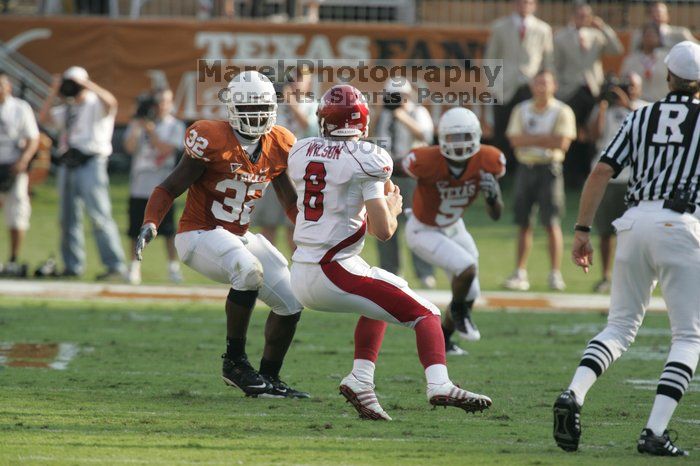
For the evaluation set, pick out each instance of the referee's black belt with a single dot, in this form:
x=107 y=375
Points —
x=689 y=208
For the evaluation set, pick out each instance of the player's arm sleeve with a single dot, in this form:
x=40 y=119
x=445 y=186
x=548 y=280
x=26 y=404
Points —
x=373 y=171
x=409 y=165
x=618 y=153
x=200 y=142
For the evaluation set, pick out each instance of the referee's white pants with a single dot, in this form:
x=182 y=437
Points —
x=450 y=248
x=656 y=245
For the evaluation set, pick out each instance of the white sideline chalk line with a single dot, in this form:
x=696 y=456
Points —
x=494 y=300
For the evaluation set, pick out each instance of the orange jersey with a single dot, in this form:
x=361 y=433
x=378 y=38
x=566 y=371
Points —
x=225 y=195
x=440 y=197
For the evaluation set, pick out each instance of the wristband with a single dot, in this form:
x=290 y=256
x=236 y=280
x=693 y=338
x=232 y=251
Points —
x=582 y=228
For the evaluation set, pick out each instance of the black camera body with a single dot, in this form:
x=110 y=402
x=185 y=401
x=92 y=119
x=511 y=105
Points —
x=69 y=88
x=606 y=91
x=146 y=107
x=392 y=100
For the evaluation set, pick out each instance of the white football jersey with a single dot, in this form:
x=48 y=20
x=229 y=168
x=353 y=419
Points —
x=334 y=179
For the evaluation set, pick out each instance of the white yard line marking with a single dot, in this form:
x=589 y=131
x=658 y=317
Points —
x=493 y=300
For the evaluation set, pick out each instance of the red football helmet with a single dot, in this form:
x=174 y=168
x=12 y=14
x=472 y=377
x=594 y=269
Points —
x=343 y=111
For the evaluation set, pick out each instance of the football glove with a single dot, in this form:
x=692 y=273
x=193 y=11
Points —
x=490 y=187
x=148 y=232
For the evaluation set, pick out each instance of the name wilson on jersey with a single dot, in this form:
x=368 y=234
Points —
x=327 y=152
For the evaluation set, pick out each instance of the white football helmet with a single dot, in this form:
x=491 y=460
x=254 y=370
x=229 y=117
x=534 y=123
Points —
x=252 y=104
x=459 y=134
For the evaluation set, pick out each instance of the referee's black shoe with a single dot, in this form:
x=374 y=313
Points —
x=237 y=372
x=567 y=421
x=658 y=445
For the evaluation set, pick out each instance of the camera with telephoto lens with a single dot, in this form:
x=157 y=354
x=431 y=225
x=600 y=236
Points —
x=69 y=88
x=611 y=82
x=392 y=100
x=147 y=106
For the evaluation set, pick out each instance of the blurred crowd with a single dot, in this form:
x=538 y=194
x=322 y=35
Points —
x=558 y=110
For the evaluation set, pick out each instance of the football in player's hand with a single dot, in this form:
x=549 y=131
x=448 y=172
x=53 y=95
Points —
x=389 y=187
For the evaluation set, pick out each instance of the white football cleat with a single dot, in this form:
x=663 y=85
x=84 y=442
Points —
x=454 y=350
x=362 y=397
x=468 y=330
x=449 y=394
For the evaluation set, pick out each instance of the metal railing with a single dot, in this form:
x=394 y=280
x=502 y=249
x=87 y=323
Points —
x=33 y=80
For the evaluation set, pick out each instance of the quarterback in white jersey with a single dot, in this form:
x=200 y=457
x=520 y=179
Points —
x=342 y=186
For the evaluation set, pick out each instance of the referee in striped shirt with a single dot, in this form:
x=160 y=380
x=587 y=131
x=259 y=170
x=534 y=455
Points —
x=658 y=241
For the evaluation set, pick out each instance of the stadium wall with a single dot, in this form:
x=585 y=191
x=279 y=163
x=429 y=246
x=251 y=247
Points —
x=128 y=56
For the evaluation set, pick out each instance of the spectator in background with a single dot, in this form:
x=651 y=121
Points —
x=297 y=113
x=541 y=130
x=524 y=43
x=402 y=125
x=85 y=119
x=19 y=140
x=648 y=62
x=618 y=100
x=578 y=49
x=153 y=138
x=670 y=35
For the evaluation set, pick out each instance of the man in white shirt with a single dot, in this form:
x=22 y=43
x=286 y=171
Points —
x=85 y=119
x=403 y=125
x=153 y=138
x=524 y=43
x=19 y=140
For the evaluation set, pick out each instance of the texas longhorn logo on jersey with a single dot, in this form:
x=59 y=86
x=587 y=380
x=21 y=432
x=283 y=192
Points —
x=224 y=196
x=441 y=197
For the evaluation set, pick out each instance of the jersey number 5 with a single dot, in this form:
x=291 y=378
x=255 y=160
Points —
x=315 y=178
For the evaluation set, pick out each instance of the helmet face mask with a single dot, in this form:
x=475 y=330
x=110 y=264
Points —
x=252 y=104
x=459 y=134
x=459 y=146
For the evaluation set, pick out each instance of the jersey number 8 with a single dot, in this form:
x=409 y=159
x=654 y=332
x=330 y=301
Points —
x=315 y=178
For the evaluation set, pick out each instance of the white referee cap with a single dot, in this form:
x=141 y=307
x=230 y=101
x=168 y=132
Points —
x=684 y=60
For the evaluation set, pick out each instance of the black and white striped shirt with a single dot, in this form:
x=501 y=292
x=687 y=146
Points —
x=661 y=144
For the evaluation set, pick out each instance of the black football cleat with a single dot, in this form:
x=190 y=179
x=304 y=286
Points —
x=567 y=421
x=465 y=327
x=658 y=445
x=279 y=389
x=240 y=374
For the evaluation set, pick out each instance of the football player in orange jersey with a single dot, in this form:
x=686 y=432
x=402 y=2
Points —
x=226 y=167
x=450 y=177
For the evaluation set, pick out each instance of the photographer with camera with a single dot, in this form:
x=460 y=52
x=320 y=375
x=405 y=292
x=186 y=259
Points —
x=154 y=139
x=403 y=125
x=85 y=119
x=19 y=140
x=618 y=98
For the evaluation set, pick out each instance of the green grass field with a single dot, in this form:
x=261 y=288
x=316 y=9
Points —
x=496 y=242
x=144 y=388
